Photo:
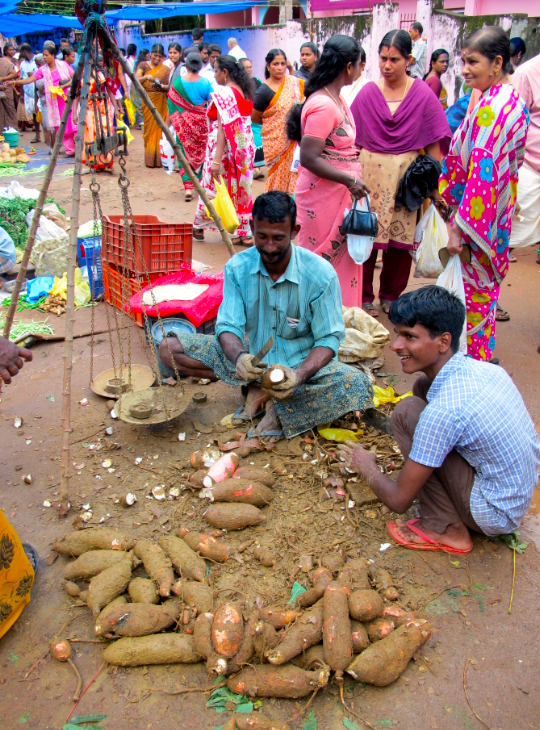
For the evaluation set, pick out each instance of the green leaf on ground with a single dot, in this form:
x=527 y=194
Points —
x=311 y=722
x=220 y=698
x=24 y=718
x=385 y=722
x=13 y=658
x=80 y=719
x=513 y=542
x=50 y=397
x=296 y=591
x=349 y=724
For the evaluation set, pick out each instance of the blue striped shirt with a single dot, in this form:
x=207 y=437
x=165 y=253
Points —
x=476 y=409
x=302 y=309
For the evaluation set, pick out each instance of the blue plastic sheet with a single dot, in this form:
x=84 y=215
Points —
x=13 y=25
x=171 y=10
x=38 y=287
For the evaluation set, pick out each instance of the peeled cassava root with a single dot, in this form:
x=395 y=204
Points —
x=91 y=563
x=305 y=632
x=206 y=545
x=137 y=619
x=272 y=377
x=185 y=561
x=337 y=632
x=92 y=538
x=157 y=565
x=383 y=662
x=233 y=516
x=154 y=649
x=244 y=491
x=285 y=681
x=108 y=585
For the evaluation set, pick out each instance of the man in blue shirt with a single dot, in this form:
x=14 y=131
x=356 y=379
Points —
x=280 y=290
x=470 y=447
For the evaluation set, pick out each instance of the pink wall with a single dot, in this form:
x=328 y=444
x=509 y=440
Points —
x=238 y=19
x=500 y=7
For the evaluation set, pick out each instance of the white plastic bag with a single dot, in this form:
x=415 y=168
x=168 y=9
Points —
x=432 y=234
x=452 y=280
x=296 y=159
x=167 y=154
x=360 y=247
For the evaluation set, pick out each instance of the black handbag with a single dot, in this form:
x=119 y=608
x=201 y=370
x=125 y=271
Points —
x=420 y=178
x=360 y=222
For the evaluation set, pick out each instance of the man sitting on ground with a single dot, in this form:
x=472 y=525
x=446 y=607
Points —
x=280 y=290
x=470 y=448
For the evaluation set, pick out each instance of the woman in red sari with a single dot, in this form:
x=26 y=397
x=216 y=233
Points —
x=231 y=148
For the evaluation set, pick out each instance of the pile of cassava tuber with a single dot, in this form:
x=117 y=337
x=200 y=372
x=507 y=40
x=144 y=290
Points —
x=347 y=621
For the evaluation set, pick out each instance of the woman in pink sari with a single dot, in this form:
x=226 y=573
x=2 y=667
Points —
x=56 y=75
x=479 y=181
x=330 y=176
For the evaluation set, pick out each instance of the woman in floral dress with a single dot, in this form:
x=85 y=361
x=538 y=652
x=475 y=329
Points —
x=479 y=180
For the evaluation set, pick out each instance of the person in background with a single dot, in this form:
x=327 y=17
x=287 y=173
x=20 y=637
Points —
x=234 y=49
x=41 y=107
x=8 y=255
x=208 y=71
x=273 y=101
x=131 y=58
x=517 y=51
x=203 y=52
x=55 y=73
x=197 y=35
x=230 y=149
x=395 y=118
x=417 y=65
x=64 y=43
x=479 y=181
x=349 y=93
x=154 y=77
x=174 y=62
x=330 y=175
x=27 y=67
x=187 y=100
x=69 y=56
x=526 y=226
x=309 y=55
x=258 y=174
x=437 y=67
x=136 y=100
x=9 y=70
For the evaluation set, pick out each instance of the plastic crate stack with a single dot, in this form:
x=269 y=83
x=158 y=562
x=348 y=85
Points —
x=89 y=257
x=164 y=248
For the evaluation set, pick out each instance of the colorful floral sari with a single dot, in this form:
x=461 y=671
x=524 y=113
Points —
x=479 y=180
x=56 y=101
x=16 y=576
x=191 y=127
x=152 y=133
x=322 y=203
x=278 y=149
x=236 y=163
x=8 y=111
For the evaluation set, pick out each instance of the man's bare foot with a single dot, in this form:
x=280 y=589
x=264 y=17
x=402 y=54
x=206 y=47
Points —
x=270 y=422
x=456 y=536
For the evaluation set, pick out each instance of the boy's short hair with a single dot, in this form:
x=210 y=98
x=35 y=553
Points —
x=432 y=307
x=275 y=207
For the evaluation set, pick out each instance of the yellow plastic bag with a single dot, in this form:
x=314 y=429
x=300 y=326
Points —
x=130 y=109
x=39 y=117
x=225 y=208
x=340 y=435
x=120 y=124
x=387 y=395
x=82 y=288
x=58 y=91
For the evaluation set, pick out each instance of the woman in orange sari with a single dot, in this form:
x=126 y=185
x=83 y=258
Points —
x=154 y=77
x=271 y=106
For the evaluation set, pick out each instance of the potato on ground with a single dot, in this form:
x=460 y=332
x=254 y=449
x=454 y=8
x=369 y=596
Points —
x=365 y=605
x=227 y=630
x=383 y=662
x=92 y=563
x=197 y=595
x=239 y=490
x=355 y=575
x=108 y=585
x=137 y=619
x=227 y=516
x=263 y=476
x=206 y=545
x=379 y=628
x=305 y=632
x=185 y=561
x=285 y=681
x=360 y=638
x=143 y=590
x=337 y=631
x=278 y=617
x=138 y=651
x=157 y=565
x=92 y=538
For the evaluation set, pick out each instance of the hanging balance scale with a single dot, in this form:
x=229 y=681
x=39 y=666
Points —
x=137 y=402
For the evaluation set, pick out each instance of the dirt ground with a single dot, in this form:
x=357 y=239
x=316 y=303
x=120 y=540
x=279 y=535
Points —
x=466 y=600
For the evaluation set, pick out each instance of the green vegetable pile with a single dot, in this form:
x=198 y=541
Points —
x=12 y=218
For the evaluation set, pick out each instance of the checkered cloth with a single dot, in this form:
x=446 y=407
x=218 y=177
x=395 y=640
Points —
x=476 y=409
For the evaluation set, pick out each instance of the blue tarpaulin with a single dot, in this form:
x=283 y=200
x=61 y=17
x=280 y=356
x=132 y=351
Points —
x=12 y=25
x=171 y=10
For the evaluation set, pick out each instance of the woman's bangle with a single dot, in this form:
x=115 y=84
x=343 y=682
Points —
x=216 y=162
x=354 y=183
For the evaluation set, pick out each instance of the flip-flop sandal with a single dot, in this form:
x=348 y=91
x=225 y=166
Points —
x=31 y=554
x=501 y=314
x=512 y=259
x=198 y=236
x=239 y=417
x=242 y=241
x=429 y=544
x=371 y=309
x=252 y=434
x=385 y=305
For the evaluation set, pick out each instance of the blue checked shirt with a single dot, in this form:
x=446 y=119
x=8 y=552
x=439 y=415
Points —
x=476 y=409
x=302 y=309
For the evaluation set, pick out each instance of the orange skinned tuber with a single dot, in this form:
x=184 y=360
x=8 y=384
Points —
x=337 y=631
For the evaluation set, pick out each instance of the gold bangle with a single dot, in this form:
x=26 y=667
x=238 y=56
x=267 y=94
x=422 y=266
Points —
x=354 y=183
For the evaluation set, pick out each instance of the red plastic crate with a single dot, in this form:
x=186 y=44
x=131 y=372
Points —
x=112 y=283
x=165 y=246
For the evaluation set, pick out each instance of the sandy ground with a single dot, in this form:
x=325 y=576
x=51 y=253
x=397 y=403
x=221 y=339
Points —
x=466 y=600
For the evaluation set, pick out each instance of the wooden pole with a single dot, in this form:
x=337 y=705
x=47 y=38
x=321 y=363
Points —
x=70 y=303
x=41 y=199
x=179 y=154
